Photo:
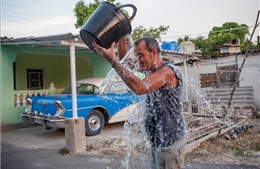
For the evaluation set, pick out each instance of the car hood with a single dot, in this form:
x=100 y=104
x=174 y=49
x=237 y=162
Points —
x=55 y=97
x=46 y=104
x=49 y=96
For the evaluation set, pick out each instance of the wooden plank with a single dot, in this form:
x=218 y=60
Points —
x=189 y=147
x=203 y=131
x=205 y=126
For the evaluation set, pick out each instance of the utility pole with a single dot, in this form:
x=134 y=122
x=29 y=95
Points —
x=247 y=53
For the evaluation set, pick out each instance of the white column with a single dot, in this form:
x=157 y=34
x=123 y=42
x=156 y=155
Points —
x=73 y=81
x=52 y=86
x=24 y=99
x=18 y=101
x=186 y=78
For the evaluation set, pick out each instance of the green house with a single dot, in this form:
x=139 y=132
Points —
x=41 y=66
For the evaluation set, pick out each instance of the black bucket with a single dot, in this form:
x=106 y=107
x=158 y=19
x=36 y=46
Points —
x=106 y=25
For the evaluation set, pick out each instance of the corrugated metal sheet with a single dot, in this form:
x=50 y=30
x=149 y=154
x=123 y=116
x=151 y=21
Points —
x=51 y=41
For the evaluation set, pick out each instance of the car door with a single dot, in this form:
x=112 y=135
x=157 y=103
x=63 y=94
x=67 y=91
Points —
x=124 y=101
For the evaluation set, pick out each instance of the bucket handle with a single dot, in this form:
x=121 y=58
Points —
x=129 y=5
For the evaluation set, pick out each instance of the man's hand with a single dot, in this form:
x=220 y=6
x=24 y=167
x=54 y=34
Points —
x=108 y=54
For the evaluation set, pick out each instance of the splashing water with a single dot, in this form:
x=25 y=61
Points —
x=197 y=95
x=134 y=129
x=135 y=134
x=129 y=63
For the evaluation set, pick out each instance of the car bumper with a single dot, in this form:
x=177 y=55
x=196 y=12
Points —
x=45 y=120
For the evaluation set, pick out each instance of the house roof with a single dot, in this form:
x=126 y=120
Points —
x=63 y=41
x=180 y=56
x=59 y=41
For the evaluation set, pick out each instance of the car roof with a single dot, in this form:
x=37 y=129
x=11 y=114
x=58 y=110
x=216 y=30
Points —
x=97 y=81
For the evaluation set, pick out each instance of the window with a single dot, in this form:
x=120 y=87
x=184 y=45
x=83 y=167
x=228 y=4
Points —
x=208 y=80
x=82 y=89
x=227 y=75
x=117 y=87
x=34 y=79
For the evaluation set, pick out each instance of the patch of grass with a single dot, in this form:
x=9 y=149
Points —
x=256 y=147
x=63 y=151
x=90 y=148
x=241 y=153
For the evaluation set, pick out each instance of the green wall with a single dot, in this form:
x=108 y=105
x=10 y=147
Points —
x=88 y=64
x=56 y=69
x=8 y=56
x=100 y=66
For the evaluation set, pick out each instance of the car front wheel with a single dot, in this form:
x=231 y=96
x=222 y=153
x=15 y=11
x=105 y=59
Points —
x=94 y=123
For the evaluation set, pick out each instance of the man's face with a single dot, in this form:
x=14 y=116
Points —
x=143 y=55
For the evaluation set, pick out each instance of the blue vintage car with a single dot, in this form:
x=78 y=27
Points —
x=97 y=105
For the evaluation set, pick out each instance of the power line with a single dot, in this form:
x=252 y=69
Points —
x=225 y=30
x=37 y=11
x=22 y=15
x=38 y=2
x=29 y=10
x=18 y=12
x=62 y=7
x=37 y=25
x=49 y=4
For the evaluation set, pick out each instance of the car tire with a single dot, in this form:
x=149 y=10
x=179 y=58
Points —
x=94 y=123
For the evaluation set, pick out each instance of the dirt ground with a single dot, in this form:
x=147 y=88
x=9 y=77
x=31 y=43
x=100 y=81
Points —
x=239 y=147
x=244 y=149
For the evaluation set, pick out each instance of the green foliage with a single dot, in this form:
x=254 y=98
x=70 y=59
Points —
x=257 y=146
x=64 y=151
x=251 y=46
x=180 y=40
x=210 y=46
x=242 y=153
x=230 y=30
x=140 y=31
x=225 y=34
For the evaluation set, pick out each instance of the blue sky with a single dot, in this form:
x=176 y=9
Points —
x=23 y=18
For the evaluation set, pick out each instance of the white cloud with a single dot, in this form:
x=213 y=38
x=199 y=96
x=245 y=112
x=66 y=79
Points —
x=50 y=26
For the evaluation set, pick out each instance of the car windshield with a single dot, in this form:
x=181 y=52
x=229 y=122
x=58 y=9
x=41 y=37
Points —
x=117 y=88
x=82 y=89
x=114 y=84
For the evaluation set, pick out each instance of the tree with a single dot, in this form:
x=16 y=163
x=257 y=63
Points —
x=180 y=40
x=140 y=31
x=83 y=12
x=210 y=46
x=231 y=29
x=227 y=32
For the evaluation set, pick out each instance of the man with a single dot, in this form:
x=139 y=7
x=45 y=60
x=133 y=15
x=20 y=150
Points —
x=164 y=123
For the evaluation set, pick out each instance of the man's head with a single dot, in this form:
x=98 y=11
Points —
x=150 y=43
x=147 y=51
